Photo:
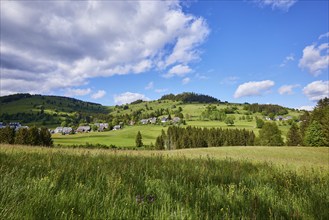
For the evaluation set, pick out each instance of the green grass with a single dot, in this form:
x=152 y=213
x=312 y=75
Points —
x=121 y=138
x=41 y=183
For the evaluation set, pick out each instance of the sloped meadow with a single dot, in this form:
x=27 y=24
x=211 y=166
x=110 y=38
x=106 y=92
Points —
x=59 y=185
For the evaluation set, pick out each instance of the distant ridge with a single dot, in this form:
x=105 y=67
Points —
x=189 y=97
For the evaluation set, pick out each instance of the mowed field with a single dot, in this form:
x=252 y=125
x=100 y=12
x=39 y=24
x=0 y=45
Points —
x=211 y=183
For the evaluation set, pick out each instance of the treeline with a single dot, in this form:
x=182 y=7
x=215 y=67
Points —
x=314 y=127
x=192 y=137
x=15 y=97
x=266 y=109
x=32 y=136
x=188 y=97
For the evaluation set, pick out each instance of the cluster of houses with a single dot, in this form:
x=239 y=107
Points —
x=279 y=118
x=163 y=120
x=105 y=126
x=14 y=125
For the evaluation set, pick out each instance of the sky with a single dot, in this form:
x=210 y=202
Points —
x=115 y=52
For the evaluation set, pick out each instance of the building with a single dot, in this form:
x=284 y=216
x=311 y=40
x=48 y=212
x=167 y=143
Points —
x=83 y=129
x=117 y=127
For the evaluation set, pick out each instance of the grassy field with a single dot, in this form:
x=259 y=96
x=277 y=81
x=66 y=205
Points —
x=43 y=183
x=121 y=138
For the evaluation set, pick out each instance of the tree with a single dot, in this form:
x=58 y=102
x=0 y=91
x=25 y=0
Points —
x=159 y=143
x=22 y=136
x=33 y=137
x=259 y=123
x=7 y=135
x=294 y=137
x=229 y=120
x=314 y=135
x=45 y=137
x=138 y=141
x=270 y=135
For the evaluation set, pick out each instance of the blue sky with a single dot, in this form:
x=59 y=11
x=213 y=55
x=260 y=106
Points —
x=114 y=52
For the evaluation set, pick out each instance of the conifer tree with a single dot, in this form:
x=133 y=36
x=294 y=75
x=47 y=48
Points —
x=314 y=135
x=45 y=137
x=138 y=141
x=33 y=136
x=294 y=137
x=22 y=136
x=270 y=135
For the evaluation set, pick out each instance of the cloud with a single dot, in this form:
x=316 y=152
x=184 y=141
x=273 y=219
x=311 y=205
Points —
x=46 y=46
x=315 y=58
x=231 y=80
x=253 y=88
x=99 y=94
x=282 y=5
x=128 y=97
x=287 y=89
x=78 y=92
x=287 y=60
x=149 y=86
x=326 y=35
x=186 y=80
x=317 y=90
x=307 y=108
x=178 y=70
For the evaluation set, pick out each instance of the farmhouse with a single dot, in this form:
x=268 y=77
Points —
x=144 y=121
x=176 y=119
x=102 y=126
x=164 y=119
x=83 y=129
x=63 y=130
x=117 y=127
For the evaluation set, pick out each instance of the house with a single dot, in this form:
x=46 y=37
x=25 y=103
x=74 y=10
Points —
x=2 y=125
x=164 y=119
x=83 y=129
x=21 y=127
x=14 y=125
x=63 y=130
x=58 y=130
x=117 y=127
x=176 y=119
x=153 y=120
x=287 y=118
x=102 y=126
x=131 y=123
x=144 y=121
x=279 y=118
x=268 y=119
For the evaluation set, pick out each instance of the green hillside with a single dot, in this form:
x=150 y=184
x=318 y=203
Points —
x=45 y=110
x=53 y=111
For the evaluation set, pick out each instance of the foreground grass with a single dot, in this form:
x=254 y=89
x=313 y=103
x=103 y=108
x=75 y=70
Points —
x=44 y=183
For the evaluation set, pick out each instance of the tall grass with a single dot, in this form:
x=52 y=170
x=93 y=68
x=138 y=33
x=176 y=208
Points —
x=57 y=185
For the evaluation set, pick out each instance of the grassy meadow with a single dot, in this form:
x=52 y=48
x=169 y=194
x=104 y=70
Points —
x=213 y=183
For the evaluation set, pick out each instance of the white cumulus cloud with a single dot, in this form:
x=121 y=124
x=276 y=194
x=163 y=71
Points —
x=306 y=107
x=253 y=88
x=99 y=94
x=317 y=90
x=287 y=89
x=128 y=97
x=315 y=57
x=178 y=70
x=51 y=45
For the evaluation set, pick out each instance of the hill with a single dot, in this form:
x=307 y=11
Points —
x=46 y=110
x=189 y=97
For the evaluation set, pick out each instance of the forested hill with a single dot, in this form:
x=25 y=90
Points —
x=26 y=102
x=47 y=110
x=189 y=97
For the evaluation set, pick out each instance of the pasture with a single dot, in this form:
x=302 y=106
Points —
x=213 y=183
